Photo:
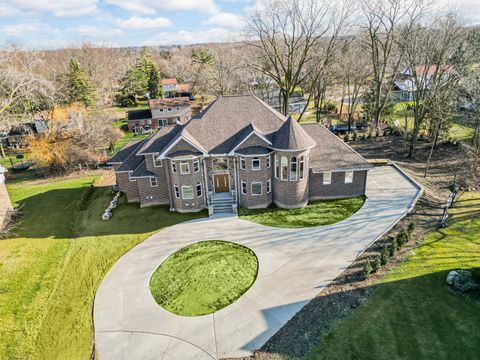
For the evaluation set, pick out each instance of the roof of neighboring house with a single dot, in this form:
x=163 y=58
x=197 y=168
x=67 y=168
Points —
x=330 y=152
x=171 y=81
x=141 y=171
x=125 y=152
x=139 y=114
x=178 y=101
x=184 y=87
x=428 y=70
x=405 y=85
x=291 y=136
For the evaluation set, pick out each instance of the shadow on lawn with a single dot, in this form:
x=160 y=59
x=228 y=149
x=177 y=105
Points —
x=417 y=311
x=58 y=213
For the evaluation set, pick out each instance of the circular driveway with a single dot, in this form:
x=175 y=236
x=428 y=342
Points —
x=294 y=266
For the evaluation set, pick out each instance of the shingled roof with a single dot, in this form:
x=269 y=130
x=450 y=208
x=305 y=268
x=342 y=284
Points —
x=141 y=171
x=291 y=136
x=178 y=101
x=125 y=152
x=139 y=114
x=331 y=153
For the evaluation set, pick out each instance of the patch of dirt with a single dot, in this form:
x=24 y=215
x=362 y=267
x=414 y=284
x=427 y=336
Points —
x=305 y=330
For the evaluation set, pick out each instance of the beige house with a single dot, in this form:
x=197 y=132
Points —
x=239 y=152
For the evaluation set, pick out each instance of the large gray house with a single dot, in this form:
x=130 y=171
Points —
x=238 y=152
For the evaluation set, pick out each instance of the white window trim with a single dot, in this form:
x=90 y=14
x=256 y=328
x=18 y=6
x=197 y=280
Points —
x=351 y=178
x=259 y=164
x=155 y=164
x=183 y=192
x=301 y=173
x=174 y=167
x=296 y=168
x=169 y=109
x=177 y=191
x=329 y=182
x=269 y=161
x=277 y=169
x=154 y=180
x=188 y=168
x=251 y=188
x=198 y=165
x=269 y=186
x=242 y=161
x=201 y=190
x=244 y=192
x=281 y=169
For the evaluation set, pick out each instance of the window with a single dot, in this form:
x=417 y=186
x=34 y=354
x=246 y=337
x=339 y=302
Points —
x=153 y=182
x=161 y=109
x=301 y=167
x=284 y=166
x=196 y=166
x=242 y=163
x=269 y=161
x=169 y=109
x=174 y=167
x=184 y=168
x=269 y=186
x=220 y=164
x=178 y=108
x=244 y=187
x=187 y=192
x=156 y=162
x=162 y=122
x=293 y=168
x=149 y=121
x=199 y=189
x=256 y=163
x=177 y=193
x=348 y=177
x=142 y=122
x=277 y=167
x=256 y=188
x=327 y=178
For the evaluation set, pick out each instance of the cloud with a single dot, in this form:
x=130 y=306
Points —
x=191 y=37
x=151 y=7
x=63 y=8
x=19 y=30
x=137 y=23
x=224 y=19
x=96 y=32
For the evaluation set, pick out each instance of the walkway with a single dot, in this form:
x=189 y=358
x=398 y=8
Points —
x=294 y=266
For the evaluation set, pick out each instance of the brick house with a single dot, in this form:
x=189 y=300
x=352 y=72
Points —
x=161 y=112
x=239 y=151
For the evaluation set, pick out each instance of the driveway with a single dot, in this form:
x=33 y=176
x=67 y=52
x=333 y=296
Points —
x=294 y=266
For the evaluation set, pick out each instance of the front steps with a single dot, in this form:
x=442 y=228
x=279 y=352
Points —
x=222 y=203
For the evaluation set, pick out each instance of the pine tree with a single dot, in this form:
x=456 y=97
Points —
x=79 y=87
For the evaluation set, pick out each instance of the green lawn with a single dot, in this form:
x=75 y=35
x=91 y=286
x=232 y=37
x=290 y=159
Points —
x=412 y=314
x=204 y=277
x=53 y=265
x=316 y=213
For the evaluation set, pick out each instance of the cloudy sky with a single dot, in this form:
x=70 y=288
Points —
x=57 y=23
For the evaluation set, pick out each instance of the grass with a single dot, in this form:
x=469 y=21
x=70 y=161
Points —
x=53 y=265
x=204 y=277
x=316 y=213
x=412 y=313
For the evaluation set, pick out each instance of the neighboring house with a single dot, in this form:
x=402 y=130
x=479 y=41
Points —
x=273 y=98
x=161 y=112
x=173 y=89
x=239 y=152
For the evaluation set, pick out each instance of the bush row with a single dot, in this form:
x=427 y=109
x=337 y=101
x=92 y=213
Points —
x=372 y=265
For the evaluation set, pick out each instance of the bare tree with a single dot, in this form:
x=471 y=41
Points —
x=384 y=42
x=285 y=34
x=435 y=66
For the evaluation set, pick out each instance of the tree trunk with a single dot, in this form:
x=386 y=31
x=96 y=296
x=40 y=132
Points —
x=413 y=141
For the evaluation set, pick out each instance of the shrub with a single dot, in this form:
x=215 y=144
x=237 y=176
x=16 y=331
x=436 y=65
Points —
x=363 y=137
x=355 y=135
x=346 y=137
x=410 y=230
x=384 y=255
x=402 y=238
x=377 y=264
x=392 y=249
x=367 y=269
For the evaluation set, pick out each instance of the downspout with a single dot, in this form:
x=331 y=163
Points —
x=236 y=179
x=169 y=184
x=205 y=185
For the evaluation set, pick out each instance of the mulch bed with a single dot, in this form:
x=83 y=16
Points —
x=304 y=331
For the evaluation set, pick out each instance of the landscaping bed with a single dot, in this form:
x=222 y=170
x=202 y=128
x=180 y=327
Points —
x=316 y=213
x=204 y=277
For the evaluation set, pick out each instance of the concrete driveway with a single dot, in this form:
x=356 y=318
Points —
x=294 y=266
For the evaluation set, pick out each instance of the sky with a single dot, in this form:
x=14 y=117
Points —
x=48 y=24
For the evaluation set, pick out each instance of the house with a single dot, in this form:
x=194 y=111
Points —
x=161 y=112
x=273 y=97
x=173 y=89
x=238 y=151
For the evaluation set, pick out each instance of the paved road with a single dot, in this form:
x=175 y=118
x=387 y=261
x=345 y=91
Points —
x=294 y=266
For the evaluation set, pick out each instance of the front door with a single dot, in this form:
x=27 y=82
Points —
x=221 y=182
